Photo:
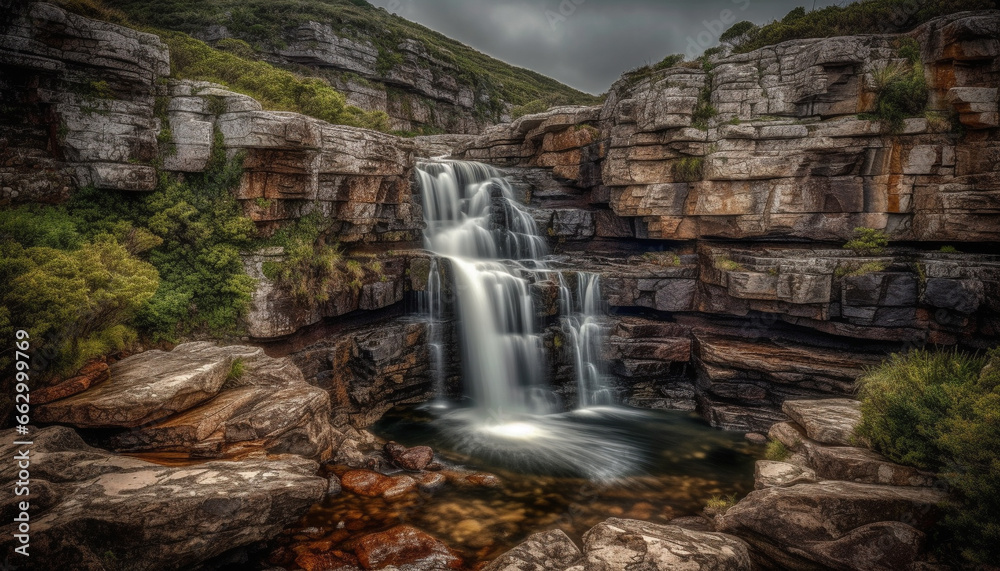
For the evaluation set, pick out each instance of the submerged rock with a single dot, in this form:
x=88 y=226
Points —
x=89 y=505
x=405 y=547
x=629 y=544
x=413 y=459
x=372 y=484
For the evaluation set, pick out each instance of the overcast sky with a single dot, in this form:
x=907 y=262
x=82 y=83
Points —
x=587 y=43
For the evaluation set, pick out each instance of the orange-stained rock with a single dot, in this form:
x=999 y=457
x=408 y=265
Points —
x=372 y=484
x=319 y=556
x=91 y=374
x=405 y=545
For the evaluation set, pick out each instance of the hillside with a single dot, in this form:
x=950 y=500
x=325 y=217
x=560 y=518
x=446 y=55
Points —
x=425 y=81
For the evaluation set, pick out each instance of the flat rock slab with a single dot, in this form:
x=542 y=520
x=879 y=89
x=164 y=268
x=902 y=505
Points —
x=150 y=386
x=619 y=544
x=770 y=474
x=405 y=547
x=830 y=421
x=87 y=503
x=546 y=551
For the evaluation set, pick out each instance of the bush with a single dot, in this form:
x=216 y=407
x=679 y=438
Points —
x=75 y=297
x=865 y=17
x=900 y=89
x=200 y=230
x=941 y=411
x=311 y=268
x=868 y=242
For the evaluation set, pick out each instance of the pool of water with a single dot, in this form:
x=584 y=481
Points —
x=568 y=471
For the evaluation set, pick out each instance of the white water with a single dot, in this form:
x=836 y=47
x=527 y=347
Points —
x=494 y=252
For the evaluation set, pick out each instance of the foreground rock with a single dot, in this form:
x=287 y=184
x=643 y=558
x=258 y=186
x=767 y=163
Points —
x=629 y=544
x=830 y=421
x=540 y=552
x=812 y=523
x=204 y=401
x=89 y=507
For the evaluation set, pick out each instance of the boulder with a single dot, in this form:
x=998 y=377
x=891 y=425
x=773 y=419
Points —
x=830 y=421
x=550 y=550
x=88 y=505
x=629 y=544
x=413 y=459
x=405 y=547
x=817 y=521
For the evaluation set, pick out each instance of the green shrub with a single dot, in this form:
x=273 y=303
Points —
x=854 y=269
x=725 y=264
x=721 y=504
x=900 y=89
x=312 y=267
x=75 y=297
x=704 y=111
x=201 y=230
x=866 y=17
x=868 y=242
x=777 y=451
x=689 y=169
x=950 y=250
x=940 y=411
x=274 y=88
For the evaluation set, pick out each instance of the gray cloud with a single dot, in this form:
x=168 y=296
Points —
x=586 y=43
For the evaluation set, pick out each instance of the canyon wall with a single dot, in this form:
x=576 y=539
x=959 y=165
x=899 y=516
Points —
x=718 y=240
x=742 y=211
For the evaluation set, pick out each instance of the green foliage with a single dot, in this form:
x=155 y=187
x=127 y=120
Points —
x=866 y=17
x=868 y=242
x=721 y=504
x=236 y=371
x=265 y=25
x=200 y=230
x=739 y=34
x=689 y=169
x=311 y=268
x=777 y=451
x=665 y=259
x=950 y=250
x=274 y=88
x=941 y=411
x=854 y=269
x=74 y=294
x=728 y=265
x=900 y=90
x=704 y=111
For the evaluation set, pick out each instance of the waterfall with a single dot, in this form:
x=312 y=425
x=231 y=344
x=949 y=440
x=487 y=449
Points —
x=495 y=253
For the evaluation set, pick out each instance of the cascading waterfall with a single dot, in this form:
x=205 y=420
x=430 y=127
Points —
x=490 y=245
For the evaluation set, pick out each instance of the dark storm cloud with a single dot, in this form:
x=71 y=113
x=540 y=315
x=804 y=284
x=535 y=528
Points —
x=587 y=43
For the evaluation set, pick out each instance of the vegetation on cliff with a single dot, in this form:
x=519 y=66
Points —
x=264 y=25
x=940 y=411
x=92 y=276
x=865 y=17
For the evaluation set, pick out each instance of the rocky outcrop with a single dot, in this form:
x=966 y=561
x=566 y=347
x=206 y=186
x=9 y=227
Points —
x=840 y=507
x=204 y=401
x=91 y=509
x=621 y=543
x=79 y=105
x=785 y=155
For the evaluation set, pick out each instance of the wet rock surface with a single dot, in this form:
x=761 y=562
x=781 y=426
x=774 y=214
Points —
x=621 y=544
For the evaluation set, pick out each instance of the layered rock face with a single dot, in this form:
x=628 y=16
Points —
x=785 y=155
x=77 y=105
x=416 y=90
x=772 y=148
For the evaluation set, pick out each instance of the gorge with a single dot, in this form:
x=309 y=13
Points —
x=556 y=341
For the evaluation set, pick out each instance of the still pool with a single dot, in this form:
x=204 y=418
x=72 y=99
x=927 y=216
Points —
x=569 y=471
